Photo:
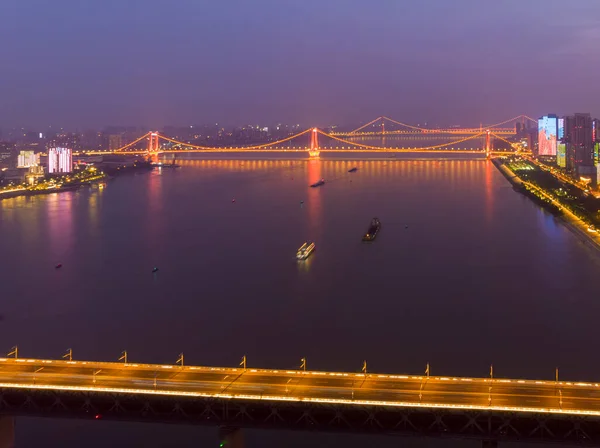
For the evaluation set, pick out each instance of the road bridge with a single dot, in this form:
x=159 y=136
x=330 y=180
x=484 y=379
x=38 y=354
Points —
x=487 y=409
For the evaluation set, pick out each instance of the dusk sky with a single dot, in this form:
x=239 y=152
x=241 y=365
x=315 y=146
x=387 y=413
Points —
x=81 y=64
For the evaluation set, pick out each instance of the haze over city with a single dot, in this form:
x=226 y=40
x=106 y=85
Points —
x=299 y=224
x=156 y=62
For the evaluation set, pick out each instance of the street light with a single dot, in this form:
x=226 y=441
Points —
x=123 y=357
x=36 y=371
x=69 y=354
x=180 y=359
x=303 y=364
x=364 y=367
x=14 y=352
x=243 y=363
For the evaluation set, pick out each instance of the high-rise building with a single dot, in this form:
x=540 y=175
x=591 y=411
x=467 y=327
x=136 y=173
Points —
x=115 y=141
x=60 y=160
x=578 y=137
x=547 y=135
x=26 y=159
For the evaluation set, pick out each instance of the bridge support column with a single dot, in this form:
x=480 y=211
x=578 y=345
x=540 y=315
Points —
x=7 y=431
x=489 y=444
x=229 y=437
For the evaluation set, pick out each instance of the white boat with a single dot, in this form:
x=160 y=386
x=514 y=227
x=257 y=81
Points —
x=305 y=250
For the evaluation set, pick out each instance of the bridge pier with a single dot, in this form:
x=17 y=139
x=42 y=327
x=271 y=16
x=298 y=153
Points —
x=7 y=431
x=229 y=437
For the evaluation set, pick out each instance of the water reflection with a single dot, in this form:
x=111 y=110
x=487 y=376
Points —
x=59 y=217
x=155 y=203
x=489 y=194
x=314 y=203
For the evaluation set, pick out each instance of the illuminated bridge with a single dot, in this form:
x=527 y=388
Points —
x=377 y=127
x=307 y=141
x=488 y=409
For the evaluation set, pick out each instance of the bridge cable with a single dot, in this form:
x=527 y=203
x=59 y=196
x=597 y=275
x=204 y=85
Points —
x=365 y=125
x=239 y=147
x=132 y=143
x=384 y=148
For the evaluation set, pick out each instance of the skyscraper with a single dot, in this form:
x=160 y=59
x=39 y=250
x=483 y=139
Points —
x=580 y=146
x=60 y=160
x=115 y=141
x=27 y=159
x=547 y=135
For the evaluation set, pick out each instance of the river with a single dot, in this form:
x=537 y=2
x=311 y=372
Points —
x=465 y=273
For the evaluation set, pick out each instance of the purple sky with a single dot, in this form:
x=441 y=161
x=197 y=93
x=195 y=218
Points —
x=78 y=63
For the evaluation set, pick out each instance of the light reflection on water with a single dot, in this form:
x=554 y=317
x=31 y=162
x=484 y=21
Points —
x=465 y=271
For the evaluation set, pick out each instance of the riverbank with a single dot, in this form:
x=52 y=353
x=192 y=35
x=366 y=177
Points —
x=74 y=181
x=576 y=225
x=25 y=192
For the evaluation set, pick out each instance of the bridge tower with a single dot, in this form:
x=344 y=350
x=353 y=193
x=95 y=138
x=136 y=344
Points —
x=153 y=143
x=488 y=144
x=313 y=152
x=383 y=126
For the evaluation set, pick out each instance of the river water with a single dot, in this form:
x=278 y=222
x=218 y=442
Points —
x=465 y=273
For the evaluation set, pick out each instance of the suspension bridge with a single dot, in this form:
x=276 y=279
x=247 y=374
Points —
x=315 y=141
x=377 y=127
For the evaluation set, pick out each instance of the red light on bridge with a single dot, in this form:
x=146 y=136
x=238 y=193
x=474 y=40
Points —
x=98 y=416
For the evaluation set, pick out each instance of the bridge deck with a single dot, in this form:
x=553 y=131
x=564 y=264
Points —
x=477 y=408
x=294 y=385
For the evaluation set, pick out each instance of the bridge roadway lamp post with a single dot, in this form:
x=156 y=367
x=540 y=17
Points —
x=36 y=371
x=364 y=367
x=180 y=359
x=303 y=364
x=69 y=355
x=94 y=373
x=123 y=357
x=491 y=381
x=14 y=352
x=243 y=363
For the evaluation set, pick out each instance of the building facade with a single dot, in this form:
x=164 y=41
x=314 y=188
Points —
x=115 y=141
x=547 y=136
x=60 y=160
x=27 y=159
x=579 y=145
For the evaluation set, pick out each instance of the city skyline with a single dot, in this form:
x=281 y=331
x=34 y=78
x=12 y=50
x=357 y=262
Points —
x=238 y=63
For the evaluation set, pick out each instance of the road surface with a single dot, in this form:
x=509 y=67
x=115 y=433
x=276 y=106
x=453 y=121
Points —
x=355 y=389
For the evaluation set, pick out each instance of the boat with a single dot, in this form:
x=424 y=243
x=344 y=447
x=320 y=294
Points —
x=166 y=165
x=155 y=269
x=319 y=183
x=58 y=266
x=305 y=250
x=353 y=170
x=373 y=230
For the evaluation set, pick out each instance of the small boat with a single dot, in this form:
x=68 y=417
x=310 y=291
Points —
x=373 y=230
x=154 y=269
x=305 y=250
x=319 y=183
x=353 y=170
x=58 y=266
